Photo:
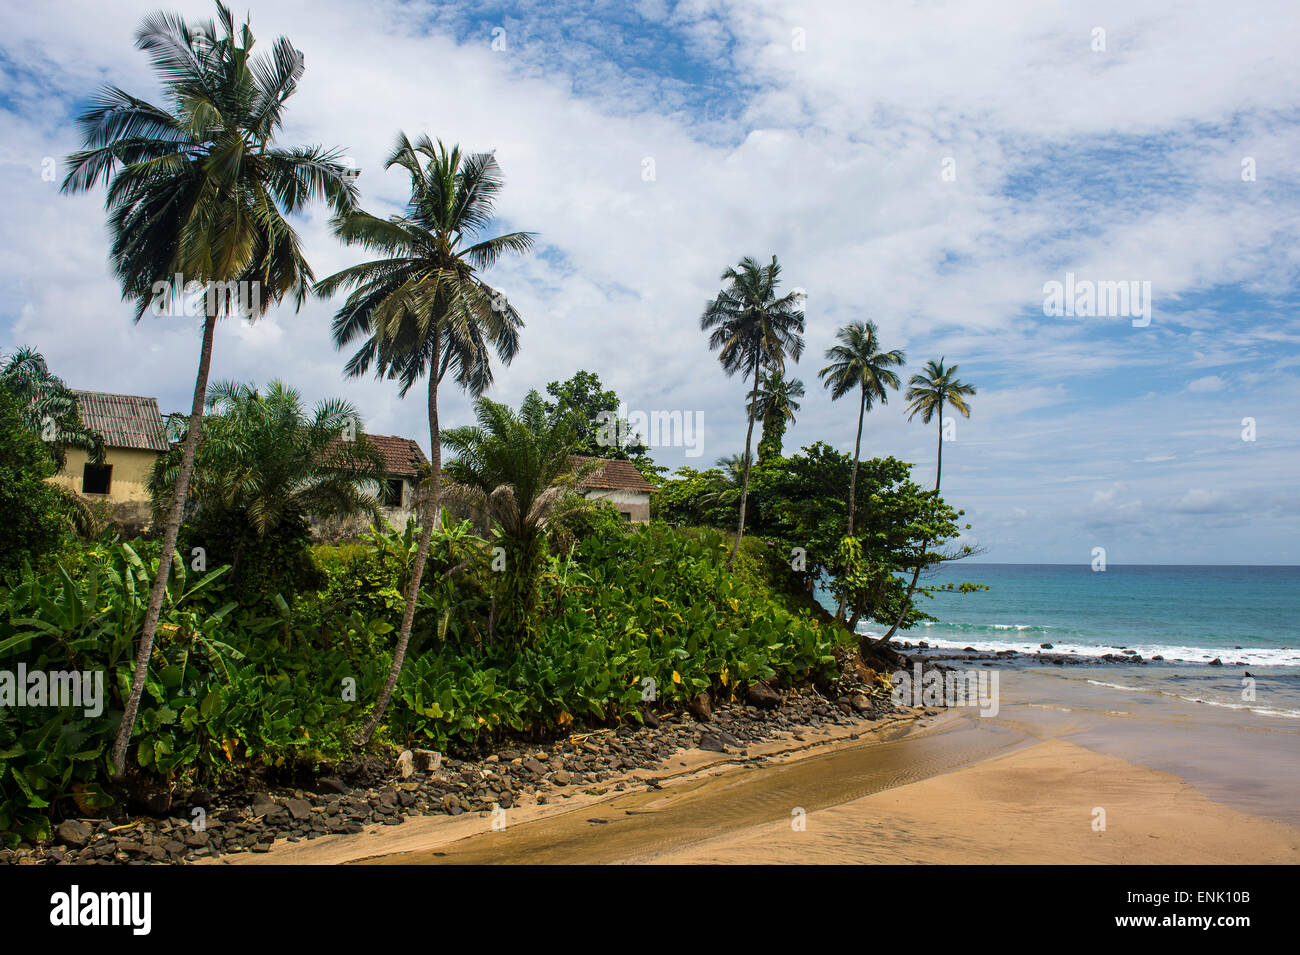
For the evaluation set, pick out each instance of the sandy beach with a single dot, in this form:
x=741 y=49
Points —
x=1059 y=776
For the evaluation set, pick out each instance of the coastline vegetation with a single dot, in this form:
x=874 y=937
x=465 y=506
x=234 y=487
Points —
x=229 y=643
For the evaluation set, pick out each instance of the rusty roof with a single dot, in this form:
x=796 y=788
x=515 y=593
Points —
x=403 y=457
x=124 y=421
x=613 y=475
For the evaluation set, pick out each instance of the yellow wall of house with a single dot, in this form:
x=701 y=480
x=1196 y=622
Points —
x=131 y=469
x=128 y=495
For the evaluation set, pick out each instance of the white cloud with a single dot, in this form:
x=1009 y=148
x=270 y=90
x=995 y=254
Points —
x=830 y=158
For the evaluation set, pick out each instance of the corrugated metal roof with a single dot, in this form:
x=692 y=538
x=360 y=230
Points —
x=125 y=421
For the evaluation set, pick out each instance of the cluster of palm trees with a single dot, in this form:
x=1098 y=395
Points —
x=200 y=187
x=755 y=329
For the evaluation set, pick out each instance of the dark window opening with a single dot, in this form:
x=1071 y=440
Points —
x=392 y=494
x=626 y=515
x=96 y=478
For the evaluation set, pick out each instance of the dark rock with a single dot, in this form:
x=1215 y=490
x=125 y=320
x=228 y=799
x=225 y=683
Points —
x=760 y=694
x=73 y=832
x=331 y=784
x=701 y=706
x=1216 y=662
x=299 y=809
x=1046 y=646
x=712 y=743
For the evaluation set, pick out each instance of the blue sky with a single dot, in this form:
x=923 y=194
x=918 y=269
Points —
x=822 y=135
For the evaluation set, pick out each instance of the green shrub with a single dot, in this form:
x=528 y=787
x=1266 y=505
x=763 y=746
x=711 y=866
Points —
x=32 y=509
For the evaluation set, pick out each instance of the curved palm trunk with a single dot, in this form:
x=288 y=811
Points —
x=916 y=573
x=744 y=481
x=431 y=515
x=171 y=531
x=853 y=490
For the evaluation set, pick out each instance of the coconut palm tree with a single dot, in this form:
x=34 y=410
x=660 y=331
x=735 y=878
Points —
x=858 y=364
x=753 y=328
x=421 y=309
x=517 y=471
x=777 y=407
x=927 y=393
x=197 y=197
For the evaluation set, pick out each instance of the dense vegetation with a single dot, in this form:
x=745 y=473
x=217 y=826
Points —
x=629 y=618
x=230 y=643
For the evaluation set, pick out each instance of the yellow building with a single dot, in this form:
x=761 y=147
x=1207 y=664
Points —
x=133 y=434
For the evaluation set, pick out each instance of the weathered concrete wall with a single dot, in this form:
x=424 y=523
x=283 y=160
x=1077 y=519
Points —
x=128 y=492
x=635 y=505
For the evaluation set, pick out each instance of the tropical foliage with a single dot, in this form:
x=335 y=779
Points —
x=421 y=309
x=264 y=469
x=752 y=327
x=198 y=194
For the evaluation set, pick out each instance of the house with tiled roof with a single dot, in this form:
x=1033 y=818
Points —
x=134 y=437
x=404 y=466
x=618 y=482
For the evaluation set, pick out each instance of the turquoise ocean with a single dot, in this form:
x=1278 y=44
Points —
x=1246 y=617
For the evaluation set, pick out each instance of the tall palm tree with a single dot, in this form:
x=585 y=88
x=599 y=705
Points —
x=777 y=407
x=753 y=328
x=517 y=471
x=857 y=363
x=199 y=190
x=421 y=309
x=927 y=393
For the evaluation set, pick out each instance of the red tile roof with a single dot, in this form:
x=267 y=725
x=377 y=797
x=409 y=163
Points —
x=402 y=456
x=614 y=475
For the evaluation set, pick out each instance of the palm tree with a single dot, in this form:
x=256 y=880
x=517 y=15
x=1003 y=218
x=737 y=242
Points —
x=858 y=363
x=267 y=460
x=927 y=393
x=733 y=467
x=777 y=407
x=198 y=193
x=517 y=471
x=752 y=328
x=422 y=309
x=49 y=407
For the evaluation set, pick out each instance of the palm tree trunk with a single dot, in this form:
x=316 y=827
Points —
x=853 y=489
x=744 y=481
x=916 y=573
x=857 y=452
x=938 y=462
x=431 y=514
x=171 y=531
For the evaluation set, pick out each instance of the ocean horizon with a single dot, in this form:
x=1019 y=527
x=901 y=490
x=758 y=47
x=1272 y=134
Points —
x=1185 y=613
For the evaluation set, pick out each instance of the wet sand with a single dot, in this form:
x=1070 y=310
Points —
x=1177 y=783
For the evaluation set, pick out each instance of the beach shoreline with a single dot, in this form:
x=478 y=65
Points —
x=1050 y=781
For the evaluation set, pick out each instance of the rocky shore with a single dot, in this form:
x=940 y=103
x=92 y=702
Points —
x=923 y=651
x=199 y=824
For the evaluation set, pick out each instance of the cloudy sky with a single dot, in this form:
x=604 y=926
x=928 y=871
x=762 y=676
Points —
x=928 y=165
